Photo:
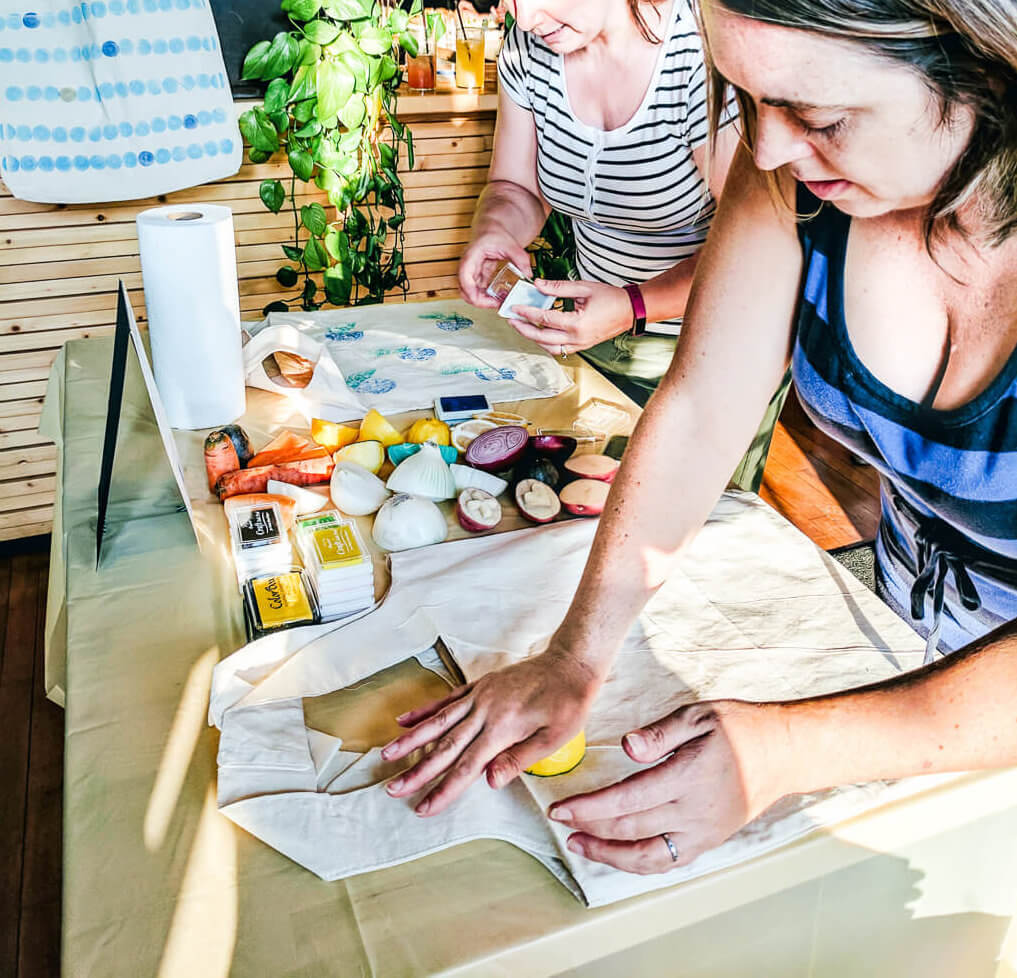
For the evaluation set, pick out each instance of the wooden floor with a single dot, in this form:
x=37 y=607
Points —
x=812 y=481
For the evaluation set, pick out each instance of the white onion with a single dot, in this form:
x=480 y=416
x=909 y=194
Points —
x=355 y=490
x=406 y=522
x=306 y=500
x=425 y=474
x=467 y=477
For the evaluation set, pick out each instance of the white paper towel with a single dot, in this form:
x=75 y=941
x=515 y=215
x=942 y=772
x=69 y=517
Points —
x=189 y=268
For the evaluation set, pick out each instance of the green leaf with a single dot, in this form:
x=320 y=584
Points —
x=375 y=74
x=395 y=220
x=328 y=180
x=254 y=62
x=353 y=112
x=375 y=40
x=272 y=195
x=315 y=256
x=349 y=9
x=303 y=85
x=304 y=9
x=308 y=130
x=309 y=54
x=304 y=111
x=258 y=130
x=280 y=120
x=276 y=95
x=310 y=290
x=409 y=44
x=258 y=156
x=275 y=307
x=281 y=55
x=389 y=68
x=435 y=26
x=349 y=141
x=293 y=254
x=287 y=276
x=388 y=156
x=409 y=148
x=358 y=64
x=335 y=85
x=314 y=218
x=397 y=126
x=349 y=166
x=337 y=243
x=338 y=283
x=398 y=20
x=416 y=8
x=301 y=162
x=321 y=32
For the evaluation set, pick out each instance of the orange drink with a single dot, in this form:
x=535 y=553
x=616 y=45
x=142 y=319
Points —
x=470 y=59
x=420 y=72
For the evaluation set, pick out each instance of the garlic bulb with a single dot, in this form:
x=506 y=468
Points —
x=405 y=522
x=467 y=477
x=355 y=490
x=424 y=474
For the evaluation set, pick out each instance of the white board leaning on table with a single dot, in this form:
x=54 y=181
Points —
x=753 y=610
x=399 y=357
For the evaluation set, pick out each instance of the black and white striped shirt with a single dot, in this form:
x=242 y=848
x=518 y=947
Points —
x=638 y=202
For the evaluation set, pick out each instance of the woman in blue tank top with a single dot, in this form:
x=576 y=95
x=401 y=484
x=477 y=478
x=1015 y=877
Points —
x=891 y=125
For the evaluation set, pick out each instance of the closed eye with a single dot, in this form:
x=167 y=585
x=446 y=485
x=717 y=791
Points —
x=825 y=132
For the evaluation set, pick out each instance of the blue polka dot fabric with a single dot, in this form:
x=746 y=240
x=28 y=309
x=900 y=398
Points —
x=106 y=100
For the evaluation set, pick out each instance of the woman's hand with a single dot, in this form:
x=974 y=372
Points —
x=503 y=722
x=719 y=770
x=481 y=259
x=601 y=312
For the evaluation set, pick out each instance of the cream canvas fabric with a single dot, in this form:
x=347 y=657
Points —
x=752 y=610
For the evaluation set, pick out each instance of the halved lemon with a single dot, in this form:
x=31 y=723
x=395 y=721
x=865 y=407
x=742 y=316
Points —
x=564 y=759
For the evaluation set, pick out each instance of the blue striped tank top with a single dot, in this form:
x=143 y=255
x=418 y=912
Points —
x=946 y=552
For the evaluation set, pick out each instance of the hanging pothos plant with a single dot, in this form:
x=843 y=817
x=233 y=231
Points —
x=332 y=84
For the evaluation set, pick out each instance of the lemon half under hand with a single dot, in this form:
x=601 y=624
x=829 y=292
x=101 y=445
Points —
x=563 y=760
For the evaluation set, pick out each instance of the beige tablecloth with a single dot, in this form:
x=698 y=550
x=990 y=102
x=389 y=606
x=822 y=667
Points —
x=157 y=882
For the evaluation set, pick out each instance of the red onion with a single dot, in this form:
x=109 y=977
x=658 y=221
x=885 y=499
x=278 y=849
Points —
x=497 y=449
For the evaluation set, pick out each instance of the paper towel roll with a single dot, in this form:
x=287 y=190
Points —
x=189 y=268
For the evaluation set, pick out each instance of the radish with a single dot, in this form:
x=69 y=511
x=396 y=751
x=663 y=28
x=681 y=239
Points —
x=585 y=497
x=477 y=510
x=537 y=501
x=600 y=467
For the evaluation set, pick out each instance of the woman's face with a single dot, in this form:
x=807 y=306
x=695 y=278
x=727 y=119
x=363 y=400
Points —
x=859 y=131
x=564 y=25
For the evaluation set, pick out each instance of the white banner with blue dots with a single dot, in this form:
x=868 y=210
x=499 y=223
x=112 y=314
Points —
x=113 y=100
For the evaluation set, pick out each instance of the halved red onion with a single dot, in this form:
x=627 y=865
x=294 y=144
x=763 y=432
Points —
x=537 y=501
x=601 y=467
x=477 y=510
x=585 y=497
x=497 y=449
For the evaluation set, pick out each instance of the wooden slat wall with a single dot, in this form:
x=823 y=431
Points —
x=59 y=266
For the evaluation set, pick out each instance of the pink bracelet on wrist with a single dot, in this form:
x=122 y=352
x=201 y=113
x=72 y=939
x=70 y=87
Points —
x=638 y=309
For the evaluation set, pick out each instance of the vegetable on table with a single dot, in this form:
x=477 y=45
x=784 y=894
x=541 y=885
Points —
x=429 y=429
x=537 y=501
x=497 y=449
x=601 y=467
x=331 y=435
x=287 y=447
x=220 y=457
x=585 y=497
x=477 y=510
x=376 y=427
x=355 y=490
x=369 y=454
x=301 y=472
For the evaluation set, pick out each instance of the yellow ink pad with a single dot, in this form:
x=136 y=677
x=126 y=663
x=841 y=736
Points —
x=279 y=601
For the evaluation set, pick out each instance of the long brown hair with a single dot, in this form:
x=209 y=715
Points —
x=644 y=28
x=965 y=51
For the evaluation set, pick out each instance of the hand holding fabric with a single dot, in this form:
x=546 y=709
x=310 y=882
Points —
x=601 y=312
x=714 y=769
x=502 y=723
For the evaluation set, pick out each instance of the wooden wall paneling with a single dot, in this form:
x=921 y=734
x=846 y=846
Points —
x=60 y=265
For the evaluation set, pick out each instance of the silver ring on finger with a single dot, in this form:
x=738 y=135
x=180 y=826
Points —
x=671 y=847
x=563 y=353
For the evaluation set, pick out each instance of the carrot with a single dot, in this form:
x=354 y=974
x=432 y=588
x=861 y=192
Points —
x=303 y=472
x=286 y=447
x=220 y=457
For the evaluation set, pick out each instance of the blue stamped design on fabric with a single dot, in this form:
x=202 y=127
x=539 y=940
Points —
x=495 y=373
x=365 y=382
x=451 y=322
x=417 y=353
x=455 y=371
x=344 y=334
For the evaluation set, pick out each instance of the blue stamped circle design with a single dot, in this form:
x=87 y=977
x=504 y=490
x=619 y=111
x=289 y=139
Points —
x=145 y=158
x=110 y=48
x=421 y=353
x=63 y=163
x=340 y=334
x=46 y=164
x=13 y=93
x=33 y=93
x=226 y=145
x=28 y=163
x=41 y=57
x=30 y=20
x=376 y=385
x=41 y=133
x=190 y=121
x=453 y=323
x=491 y=374
x=162 y=156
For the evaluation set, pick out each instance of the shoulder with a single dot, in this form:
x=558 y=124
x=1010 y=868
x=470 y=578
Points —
x=525 y=65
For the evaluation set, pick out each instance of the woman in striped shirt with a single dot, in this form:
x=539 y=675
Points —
x=602 y=116
x=891 y=123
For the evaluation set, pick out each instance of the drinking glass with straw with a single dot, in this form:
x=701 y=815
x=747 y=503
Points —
x=469 y=56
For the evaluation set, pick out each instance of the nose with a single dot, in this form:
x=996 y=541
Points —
x=524 y=12
x=779 y=140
